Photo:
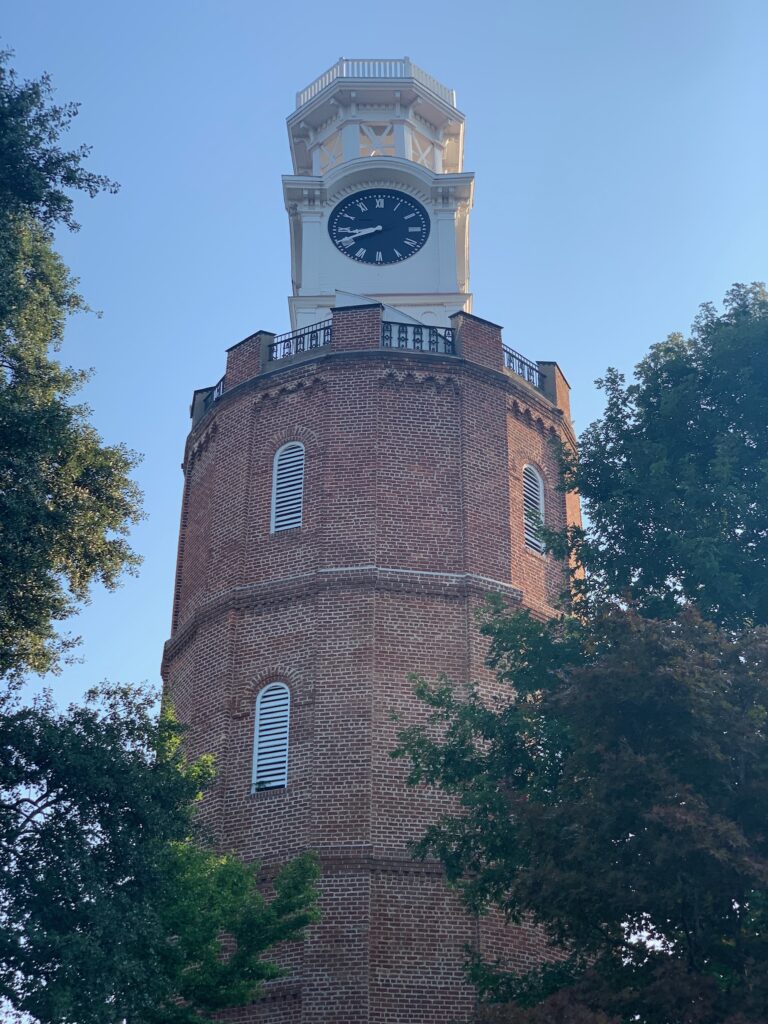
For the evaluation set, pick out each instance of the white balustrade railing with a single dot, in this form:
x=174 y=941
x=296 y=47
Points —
x=401 y=68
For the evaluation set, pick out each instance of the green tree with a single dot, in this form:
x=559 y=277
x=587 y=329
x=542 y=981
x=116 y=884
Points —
x=620 y=801
x=66 y=499
x=674 y=476
x=111 y=908
x=619 y=798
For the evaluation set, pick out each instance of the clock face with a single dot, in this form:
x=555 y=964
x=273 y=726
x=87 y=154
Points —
x=379 y=226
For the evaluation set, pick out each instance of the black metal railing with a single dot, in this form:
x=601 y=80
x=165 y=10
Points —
x=418 y=338
x=213 y=395
x=304 y=340
x=523 y=367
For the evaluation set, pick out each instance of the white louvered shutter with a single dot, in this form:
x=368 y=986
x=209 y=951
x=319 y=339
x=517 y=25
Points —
x=270 y=737
x=288 y=487
x=533 y=508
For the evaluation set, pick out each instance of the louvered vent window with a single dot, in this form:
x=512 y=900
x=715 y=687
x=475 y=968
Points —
x=533 y=508
x=288 y=487
x=270 y=738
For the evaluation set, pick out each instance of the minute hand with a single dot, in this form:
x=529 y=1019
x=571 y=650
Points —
x=364 y=231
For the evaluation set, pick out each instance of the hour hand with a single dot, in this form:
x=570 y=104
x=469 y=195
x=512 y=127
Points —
x=357 y=232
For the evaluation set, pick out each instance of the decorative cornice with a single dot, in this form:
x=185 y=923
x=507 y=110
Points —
x=363 y=859
x=448 y=585
x=292 y=387
x=413 y=377
x=201 y=444
x=286 y=379
x=534 y=419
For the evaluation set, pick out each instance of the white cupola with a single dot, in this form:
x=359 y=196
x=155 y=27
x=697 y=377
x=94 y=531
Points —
x=367 y=125
x=370 y=108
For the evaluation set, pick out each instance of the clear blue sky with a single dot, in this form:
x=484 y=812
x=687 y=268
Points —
x=620 y=152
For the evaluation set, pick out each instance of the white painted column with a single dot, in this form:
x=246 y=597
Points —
x=312 y=239
x=444 y=227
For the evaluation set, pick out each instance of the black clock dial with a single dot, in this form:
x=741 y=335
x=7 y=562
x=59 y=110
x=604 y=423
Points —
x=379 y=226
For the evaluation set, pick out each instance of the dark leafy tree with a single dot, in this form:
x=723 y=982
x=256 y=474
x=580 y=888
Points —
x=111 y=908
x=620 y=797
x=619 y=800
x=674 y=476
x=37 y=176
x=66 y=499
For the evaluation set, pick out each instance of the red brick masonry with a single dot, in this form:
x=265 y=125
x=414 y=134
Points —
x=412 y=513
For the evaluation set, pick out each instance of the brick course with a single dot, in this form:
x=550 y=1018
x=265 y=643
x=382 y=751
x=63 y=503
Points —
x=412 y=513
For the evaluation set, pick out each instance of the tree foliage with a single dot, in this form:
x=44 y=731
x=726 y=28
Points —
x=674 y=476
x=66 y=499
x=619 y=800
x=619 y=796
x=37 y=176
x=111 y=907
x=112 y=910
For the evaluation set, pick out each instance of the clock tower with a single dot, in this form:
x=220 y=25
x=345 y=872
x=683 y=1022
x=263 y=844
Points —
x=353 y=490
x=378 y=201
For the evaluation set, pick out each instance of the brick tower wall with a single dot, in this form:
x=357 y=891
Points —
x=412 y=514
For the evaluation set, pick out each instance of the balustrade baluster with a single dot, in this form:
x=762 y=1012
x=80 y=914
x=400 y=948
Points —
x=301 y=341
x=523 y=367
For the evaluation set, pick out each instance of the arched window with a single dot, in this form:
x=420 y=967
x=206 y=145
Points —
x=287 y=487
x=270 y=738
x=533 y=508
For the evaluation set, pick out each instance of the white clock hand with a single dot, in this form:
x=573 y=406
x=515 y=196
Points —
x=361 y=231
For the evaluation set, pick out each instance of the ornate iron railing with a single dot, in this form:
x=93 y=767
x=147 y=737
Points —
x=213 y=395
x=375 y=69
x=418 y=338
x=304 y=340
x=523 y=367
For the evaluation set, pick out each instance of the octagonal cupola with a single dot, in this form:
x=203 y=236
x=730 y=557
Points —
x=378 y=202
x=375 y=108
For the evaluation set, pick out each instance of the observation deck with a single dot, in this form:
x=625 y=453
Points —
x=381 y=108
x=359 y=328
x=371 y=68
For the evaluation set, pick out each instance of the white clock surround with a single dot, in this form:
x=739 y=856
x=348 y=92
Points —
x=362 y=104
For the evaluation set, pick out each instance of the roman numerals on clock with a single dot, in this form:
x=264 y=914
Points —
x=379 y=226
